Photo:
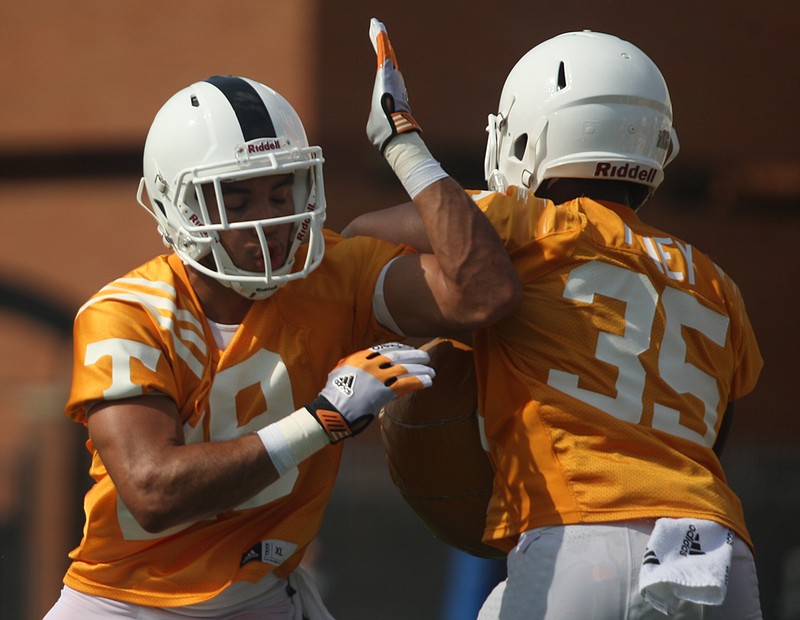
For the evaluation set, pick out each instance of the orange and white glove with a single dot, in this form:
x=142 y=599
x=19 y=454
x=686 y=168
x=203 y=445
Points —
x=355 y=392
x=391 y=126
x=390 y=114
x=362 y=383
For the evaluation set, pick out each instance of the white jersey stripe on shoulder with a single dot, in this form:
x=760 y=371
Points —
x=155 y=304
x=182 y=315
x=154 y=284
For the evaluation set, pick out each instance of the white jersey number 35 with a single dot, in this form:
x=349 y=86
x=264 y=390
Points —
x=641 y=301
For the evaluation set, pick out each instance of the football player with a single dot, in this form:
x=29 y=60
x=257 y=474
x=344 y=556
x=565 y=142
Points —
x=606 y=395
x=203 y=378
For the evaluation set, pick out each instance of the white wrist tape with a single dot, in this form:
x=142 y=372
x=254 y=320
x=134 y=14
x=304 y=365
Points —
x=413 y=163
x=293 y=439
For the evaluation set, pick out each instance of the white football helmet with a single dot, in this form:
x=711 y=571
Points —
x=222 y=129
x=581 y=105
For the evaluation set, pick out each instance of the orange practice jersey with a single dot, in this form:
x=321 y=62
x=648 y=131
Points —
x=146 y=333
x=602 y=395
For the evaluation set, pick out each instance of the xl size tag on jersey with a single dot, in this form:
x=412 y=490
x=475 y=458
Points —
x=274 y=552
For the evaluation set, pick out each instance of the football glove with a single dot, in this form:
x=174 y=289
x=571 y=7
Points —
x=362 y=383
x=390 y=114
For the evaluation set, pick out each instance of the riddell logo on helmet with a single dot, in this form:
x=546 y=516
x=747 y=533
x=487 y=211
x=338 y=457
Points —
x=265 y=145
x=625 y=171
x=302 y=231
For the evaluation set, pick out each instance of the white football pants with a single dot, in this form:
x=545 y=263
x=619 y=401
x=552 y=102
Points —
x=275 y=603
x=591 y=572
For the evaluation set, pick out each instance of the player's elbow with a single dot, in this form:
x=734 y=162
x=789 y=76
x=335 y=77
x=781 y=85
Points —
x=508 y=299
x=151 y=521
x=148 y=514
x=495 y=294
x=150 y=504
x=486 y=309
x=505 y=298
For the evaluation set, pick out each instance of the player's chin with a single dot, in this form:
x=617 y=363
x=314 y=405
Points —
x=277 y=259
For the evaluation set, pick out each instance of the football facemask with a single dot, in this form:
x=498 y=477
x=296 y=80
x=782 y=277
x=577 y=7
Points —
x=228 y=129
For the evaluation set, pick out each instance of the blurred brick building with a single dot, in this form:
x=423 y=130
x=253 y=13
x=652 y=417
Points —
x=82 y=80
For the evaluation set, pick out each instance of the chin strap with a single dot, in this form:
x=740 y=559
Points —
x=674 y=147
x=490 y=170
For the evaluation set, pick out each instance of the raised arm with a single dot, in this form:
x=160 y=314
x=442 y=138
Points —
x=398 y=224
x=464 y=280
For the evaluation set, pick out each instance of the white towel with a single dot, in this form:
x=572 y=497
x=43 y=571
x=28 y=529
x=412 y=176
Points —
x=686 y=559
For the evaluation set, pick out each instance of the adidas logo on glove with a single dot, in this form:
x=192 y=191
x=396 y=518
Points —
x=345 y=384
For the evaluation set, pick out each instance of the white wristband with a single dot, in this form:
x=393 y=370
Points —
x=413 y=163
x=293 y=439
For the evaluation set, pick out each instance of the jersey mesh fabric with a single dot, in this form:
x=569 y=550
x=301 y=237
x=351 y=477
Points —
x=146 y=333
x=602 y=395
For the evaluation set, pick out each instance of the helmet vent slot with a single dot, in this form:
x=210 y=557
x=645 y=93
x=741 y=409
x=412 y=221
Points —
x=520 y=144
x=195 y=102
x=562 y=76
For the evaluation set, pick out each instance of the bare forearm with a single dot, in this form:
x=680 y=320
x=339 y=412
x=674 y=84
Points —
x=478 y=277
x=400 y=224
x=469 y=281
x=163 y=480
x=470 y=278
x=199 y=481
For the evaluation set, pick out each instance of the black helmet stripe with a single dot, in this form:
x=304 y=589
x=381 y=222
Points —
x=250 y=110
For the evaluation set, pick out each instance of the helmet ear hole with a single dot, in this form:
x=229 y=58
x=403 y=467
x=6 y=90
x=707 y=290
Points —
x=520 y=144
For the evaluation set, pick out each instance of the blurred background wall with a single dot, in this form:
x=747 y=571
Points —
x=81 y=82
